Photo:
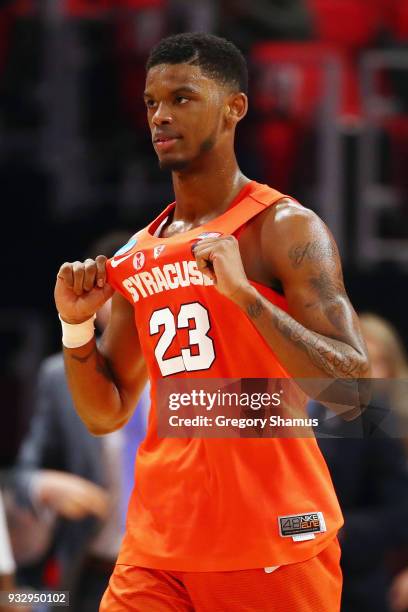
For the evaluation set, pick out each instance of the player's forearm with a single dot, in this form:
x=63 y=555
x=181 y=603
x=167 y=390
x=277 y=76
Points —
x=95 y=393
x=304 y=353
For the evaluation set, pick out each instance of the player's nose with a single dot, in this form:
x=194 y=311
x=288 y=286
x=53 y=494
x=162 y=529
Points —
x=162 y=116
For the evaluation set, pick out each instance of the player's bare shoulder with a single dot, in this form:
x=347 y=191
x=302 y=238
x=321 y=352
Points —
x=292 y=235
x=290 y=219
x=267 y=239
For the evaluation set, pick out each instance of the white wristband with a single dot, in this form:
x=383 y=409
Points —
x=76 y=335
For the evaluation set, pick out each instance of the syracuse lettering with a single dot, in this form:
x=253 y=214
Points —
x=166 y=278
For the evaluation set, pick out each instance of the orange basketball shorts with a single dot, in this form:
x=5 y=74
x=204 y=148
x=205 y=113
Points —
x=309 y=586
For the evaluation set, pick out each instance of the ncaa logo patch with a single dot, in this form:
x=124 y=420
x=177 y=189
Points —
x=129 y=245
x=139 y=260
x=124 y=252
x=158 y=250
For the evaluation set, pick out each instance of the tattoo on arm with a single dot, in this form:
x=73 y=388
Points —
x=256 y=309
x=311 y=251
x=101 y=365
x=332 y=357
x=328 y=285
x=331 y=294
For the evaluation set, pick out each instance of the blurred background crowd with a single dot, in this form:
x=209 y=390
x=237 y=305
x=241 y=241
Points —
x=328 y=124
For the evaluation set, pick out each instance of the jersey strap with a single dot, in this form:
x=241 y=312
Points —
x=255 y=202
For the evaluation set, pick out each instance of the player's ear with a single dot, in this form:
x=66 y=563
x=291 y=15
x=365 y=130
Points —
x=236 y=108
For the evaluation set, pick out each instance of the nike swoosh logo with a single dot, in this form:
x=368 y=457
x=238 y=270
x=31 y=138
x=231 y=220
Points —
x=116 y=262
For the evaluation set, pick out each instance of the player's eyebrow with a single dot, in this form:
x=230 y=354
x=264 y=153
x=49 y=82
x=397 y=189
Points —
x=178 y=90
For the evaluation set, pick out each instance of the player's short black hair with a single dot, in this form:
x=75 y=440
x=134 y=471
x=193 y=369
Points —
x=217 y=57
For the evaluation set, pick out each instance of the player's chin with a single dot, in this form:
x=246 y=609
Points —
x=173 y=164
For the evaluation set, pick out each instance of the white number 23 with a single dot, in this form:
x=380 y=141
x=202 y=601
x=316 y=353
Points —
x=186 y=361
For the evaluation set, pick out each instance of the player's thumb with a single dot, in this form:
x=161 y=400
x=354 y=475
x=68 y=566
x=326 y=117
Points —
x=108 y=291
x=97 y=297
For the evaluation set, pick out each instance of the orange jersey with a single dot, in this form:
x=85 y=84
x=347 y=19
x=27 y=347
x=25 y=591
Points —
x=212 y=504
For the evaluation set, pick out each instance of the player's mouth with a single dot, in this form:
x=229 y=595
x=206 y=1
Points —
x=164 y=143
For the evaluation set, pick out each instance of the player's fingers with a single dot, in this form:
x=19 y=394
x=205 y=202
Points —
x=66 y=274
x=204 y=263
x=200 y=244
x=101 y=270
x=208 y=272
x=213 y=246
x=90 y=274
x=79 y=272
x=204 y=256
x=211 y=240
x=218 y=242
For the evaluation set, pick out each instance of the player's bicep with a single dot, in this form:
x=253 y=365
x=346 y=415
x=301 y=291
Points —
x=320 y=303
x=309 y=268
x=121 y=348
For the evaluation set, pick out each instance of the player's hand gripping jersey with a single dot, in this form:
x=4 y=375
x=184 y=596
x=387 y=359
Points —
x=212 y=504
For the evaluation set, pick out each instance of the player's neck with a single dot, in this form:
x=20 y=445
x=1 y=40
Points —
x=207 y=192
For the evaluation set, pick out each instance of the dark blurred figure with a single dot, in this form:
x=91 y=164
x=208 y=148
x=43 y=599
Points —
x=270 y=140
x=187 y=16
x=248 y=22
x=75 y=486
x=7 y=564
x=21 y=46
x=388 y=361
x=394 y=36
x=391 y=90
x=370 y=475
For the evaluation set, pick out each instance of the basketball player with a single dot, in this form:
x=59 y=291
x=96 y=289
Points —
x=233 y=280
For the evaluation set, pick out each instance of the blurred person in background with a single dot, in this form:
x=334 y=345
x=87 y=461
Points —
x=387 y=352
x=21 y=32
x=389 y=361
x=370 y=475
x=187 y=16
x=7 y=564
x=247 y=23
x=75 y=485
